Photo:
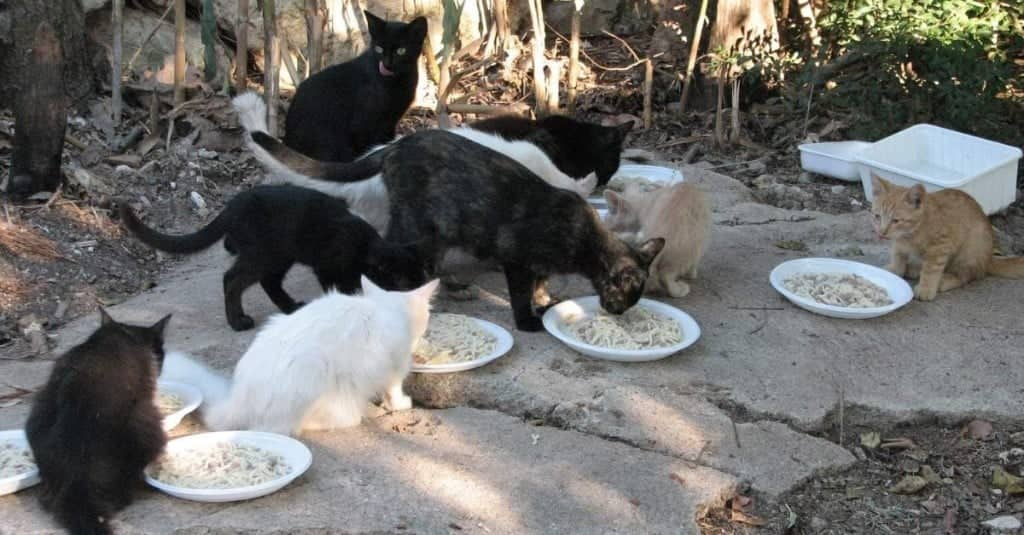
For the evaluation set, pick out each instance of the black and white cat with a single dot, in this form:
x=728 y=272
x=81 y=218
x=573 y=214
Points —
x=271 y=228
x=446 y=193
x=95 y=426
x=340 y=112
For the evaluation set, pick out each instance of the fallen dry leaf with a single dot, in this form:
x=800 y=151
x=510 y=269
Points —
x=1007 y=482
x=898 y=444
x=870 y=440
x=909 y=485
x=740 y=502
x=978 y=430
x=753 y=520
x=10 y=403
x=677 y=478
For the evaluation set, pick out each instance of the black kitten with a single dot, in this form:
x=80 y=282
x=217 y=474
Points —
x=94 y=427
x=577 y=148
x=270 y=228
x=445 y=192
x=340 y=112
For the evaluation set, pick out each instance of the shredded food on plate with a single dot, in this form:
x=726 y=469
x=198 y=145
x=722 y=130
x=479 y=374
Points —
x=223 y=465
x=620 y=183
x=838 y=289
x=168 y=403
x=15 y=459
x=452 y=338
x=637 y=328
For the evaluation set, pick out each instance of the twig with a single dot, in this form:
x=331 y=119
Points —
x=757 y=308
x=683 y=141
x=593 y=61
x=807 y=116
x=736 y=434
x=179 y=51
x=624 y=43
x=149 y=36
x=241 y=45
x=482 y=64
x=75 y=141
x=759 y=327
x=53 y=198
x=692 y=60
x=648 y=89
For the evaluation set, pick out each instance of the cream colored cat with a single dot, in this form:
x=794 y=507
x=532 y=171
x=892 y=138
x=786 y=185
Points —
x=678 y=213
x=943 y=238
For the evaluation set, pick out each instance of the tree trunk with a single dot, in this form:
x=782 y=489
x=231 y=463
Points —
x=271 y=62
x=44 y=67
x=242 y=46
x=179 y=52
x=316 y=20
x=540 y=85
x=574 y=58
x=501 y=28
x=744 y=26
x=691 y=62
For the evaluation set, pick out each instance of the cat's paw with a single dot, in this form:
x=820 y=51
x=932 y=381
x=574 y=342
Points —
x=899 y=271
x=242 y=323
x=529 y=324
x=925 y=294
x=399 y=403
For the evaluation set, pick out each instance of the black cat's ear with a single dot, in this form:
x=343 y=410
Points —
x=375 y=24
x=105 y=318
x=624 y=129
x=650 y=249
x=417 y=29
x=158 y=328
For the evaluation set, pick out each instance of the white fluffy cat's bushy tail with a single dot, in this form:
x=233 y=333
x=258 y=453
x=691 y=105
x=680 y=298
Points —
x=180 y=367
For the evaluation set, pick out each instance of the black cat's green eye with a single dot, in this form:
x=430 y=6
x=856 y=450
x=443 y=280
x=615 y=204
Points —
x=378 y=49
x=400 y=51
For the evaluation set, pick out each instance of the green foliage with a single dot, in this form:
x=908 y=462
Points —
x=949 y=62
x=208 y=23
x=450 y=23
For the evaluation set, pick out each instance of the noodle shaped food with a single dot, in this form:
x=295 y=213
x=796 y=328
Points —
x=637 y=328
x=453 y=338
x=15 y=459
x=168 y=403
x=838 y=289
x=223 y=465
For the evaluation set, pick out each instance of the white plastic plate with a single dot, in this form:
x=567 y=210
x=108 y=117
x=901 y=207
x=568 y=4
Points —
x=897 y=288
x=21 y=481
x=654 y=173
x=558 y=316
x=503 y=345
x=295 y=453
x=190 y=395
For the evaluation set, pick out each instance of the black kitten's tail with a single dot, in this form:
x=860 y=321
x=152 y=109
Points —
x=75 y=508
x=188 y=243
x=361 y=169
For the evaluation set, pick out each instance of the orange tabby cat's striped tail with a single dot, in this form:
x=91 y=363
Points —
x=1011 y=268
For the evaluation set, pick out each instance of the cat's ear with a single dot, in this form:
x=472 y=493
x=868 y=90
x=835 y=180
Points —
x=369 y=288
x=417 y=30
x=158 y=328
x=624 y=129
x=426 y=292
x=614 y=200
x=105 y=318
x=375 y=24
x=915 y=195
x=879 y=184
x=650 y=249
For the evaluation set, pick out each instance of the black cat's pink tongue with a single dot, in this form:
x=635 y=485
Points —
x=384 y=71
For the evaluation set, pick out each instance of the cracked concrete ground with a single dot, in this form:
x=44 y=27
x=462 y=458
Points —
x=621 y=447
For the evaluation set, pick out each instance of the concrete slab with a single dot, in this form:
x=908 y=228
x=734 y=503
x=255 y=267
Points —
x=459 y=470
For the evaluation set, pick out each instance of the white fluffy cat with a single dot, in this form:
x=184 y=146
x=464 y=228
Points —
x=369 y=198
x=318 y=367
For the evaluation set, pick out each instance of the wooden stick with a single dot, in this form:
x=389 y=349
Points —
x=289 y=62
x=648 y=89
x=117 y=26
x=734 y=134
x=430 y=58
x=149 y=36
x=271 y=62
x=554 y=74
x=315 y=23
x=241 y=45
x=179 y=51
x=574 y=58
x=537 y=43
x=691 y=62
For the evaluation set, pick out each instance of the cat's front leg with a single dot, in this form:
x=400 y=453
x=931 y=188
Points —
x=521 y=284
x=898 y=263
x=542 y=300
x=932 y=270
x=395 y=398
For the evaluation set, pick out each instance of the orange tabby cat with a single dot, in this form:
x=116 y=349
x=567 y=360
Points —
x=678 y=213
x=943 y=238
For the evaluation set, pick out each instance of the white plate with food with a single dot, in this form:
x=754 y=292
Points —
x=646 y=175
x=18 y=468
x=840 y=288
x=650 y=330
x=456 y=343
x=228 y=466
x=175 y=400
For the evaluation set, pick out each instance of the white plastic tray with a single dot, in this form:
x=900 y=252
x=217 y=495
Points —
x=897 y=288
x=503 y=346
x=190 y=395
x=13 y=484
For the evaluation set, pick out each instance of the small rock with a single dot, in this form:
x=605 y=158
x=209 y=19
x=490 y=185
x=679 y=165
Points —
x=62 y=308
x=855 y=202
x=819 y=524
x=804 y=178
x=1017 y=439
x=756 y=167
x=207 y=154
x=764 y=181
x=148 y=168
x=1003 y=523
x=909 y=466
x=198 y=201
x=928 y=473
x=848 y=251
x=123 y=170
x=909 y=485
x=858 y=452
x=838 y=189
x=978 y=430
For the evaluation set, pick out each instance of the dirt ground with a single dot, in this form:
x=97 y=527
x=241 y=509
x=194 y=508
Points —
x=63 y=253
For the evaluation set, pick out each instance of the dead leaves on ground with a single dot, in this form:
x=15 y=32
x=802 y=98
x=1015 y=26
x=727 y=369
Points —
x=738 y=507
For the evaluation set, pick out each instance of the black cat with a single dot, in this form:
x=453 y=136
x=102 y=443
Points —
x=94 y=426
x=446 y=192
x=577 y=148
x=340 y=112
x=270 y=228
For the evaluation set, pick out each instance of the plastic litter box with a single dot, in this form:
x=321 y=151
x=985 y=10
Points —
x=836 y=159
x=939 y=158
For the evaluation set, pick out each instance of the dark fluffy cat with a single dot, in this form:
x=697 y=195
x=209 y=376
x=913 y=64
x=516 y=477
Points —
x=270 y=228
x=577 y=148
x=94 y=426
x=340 y=112
x=446 y=193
